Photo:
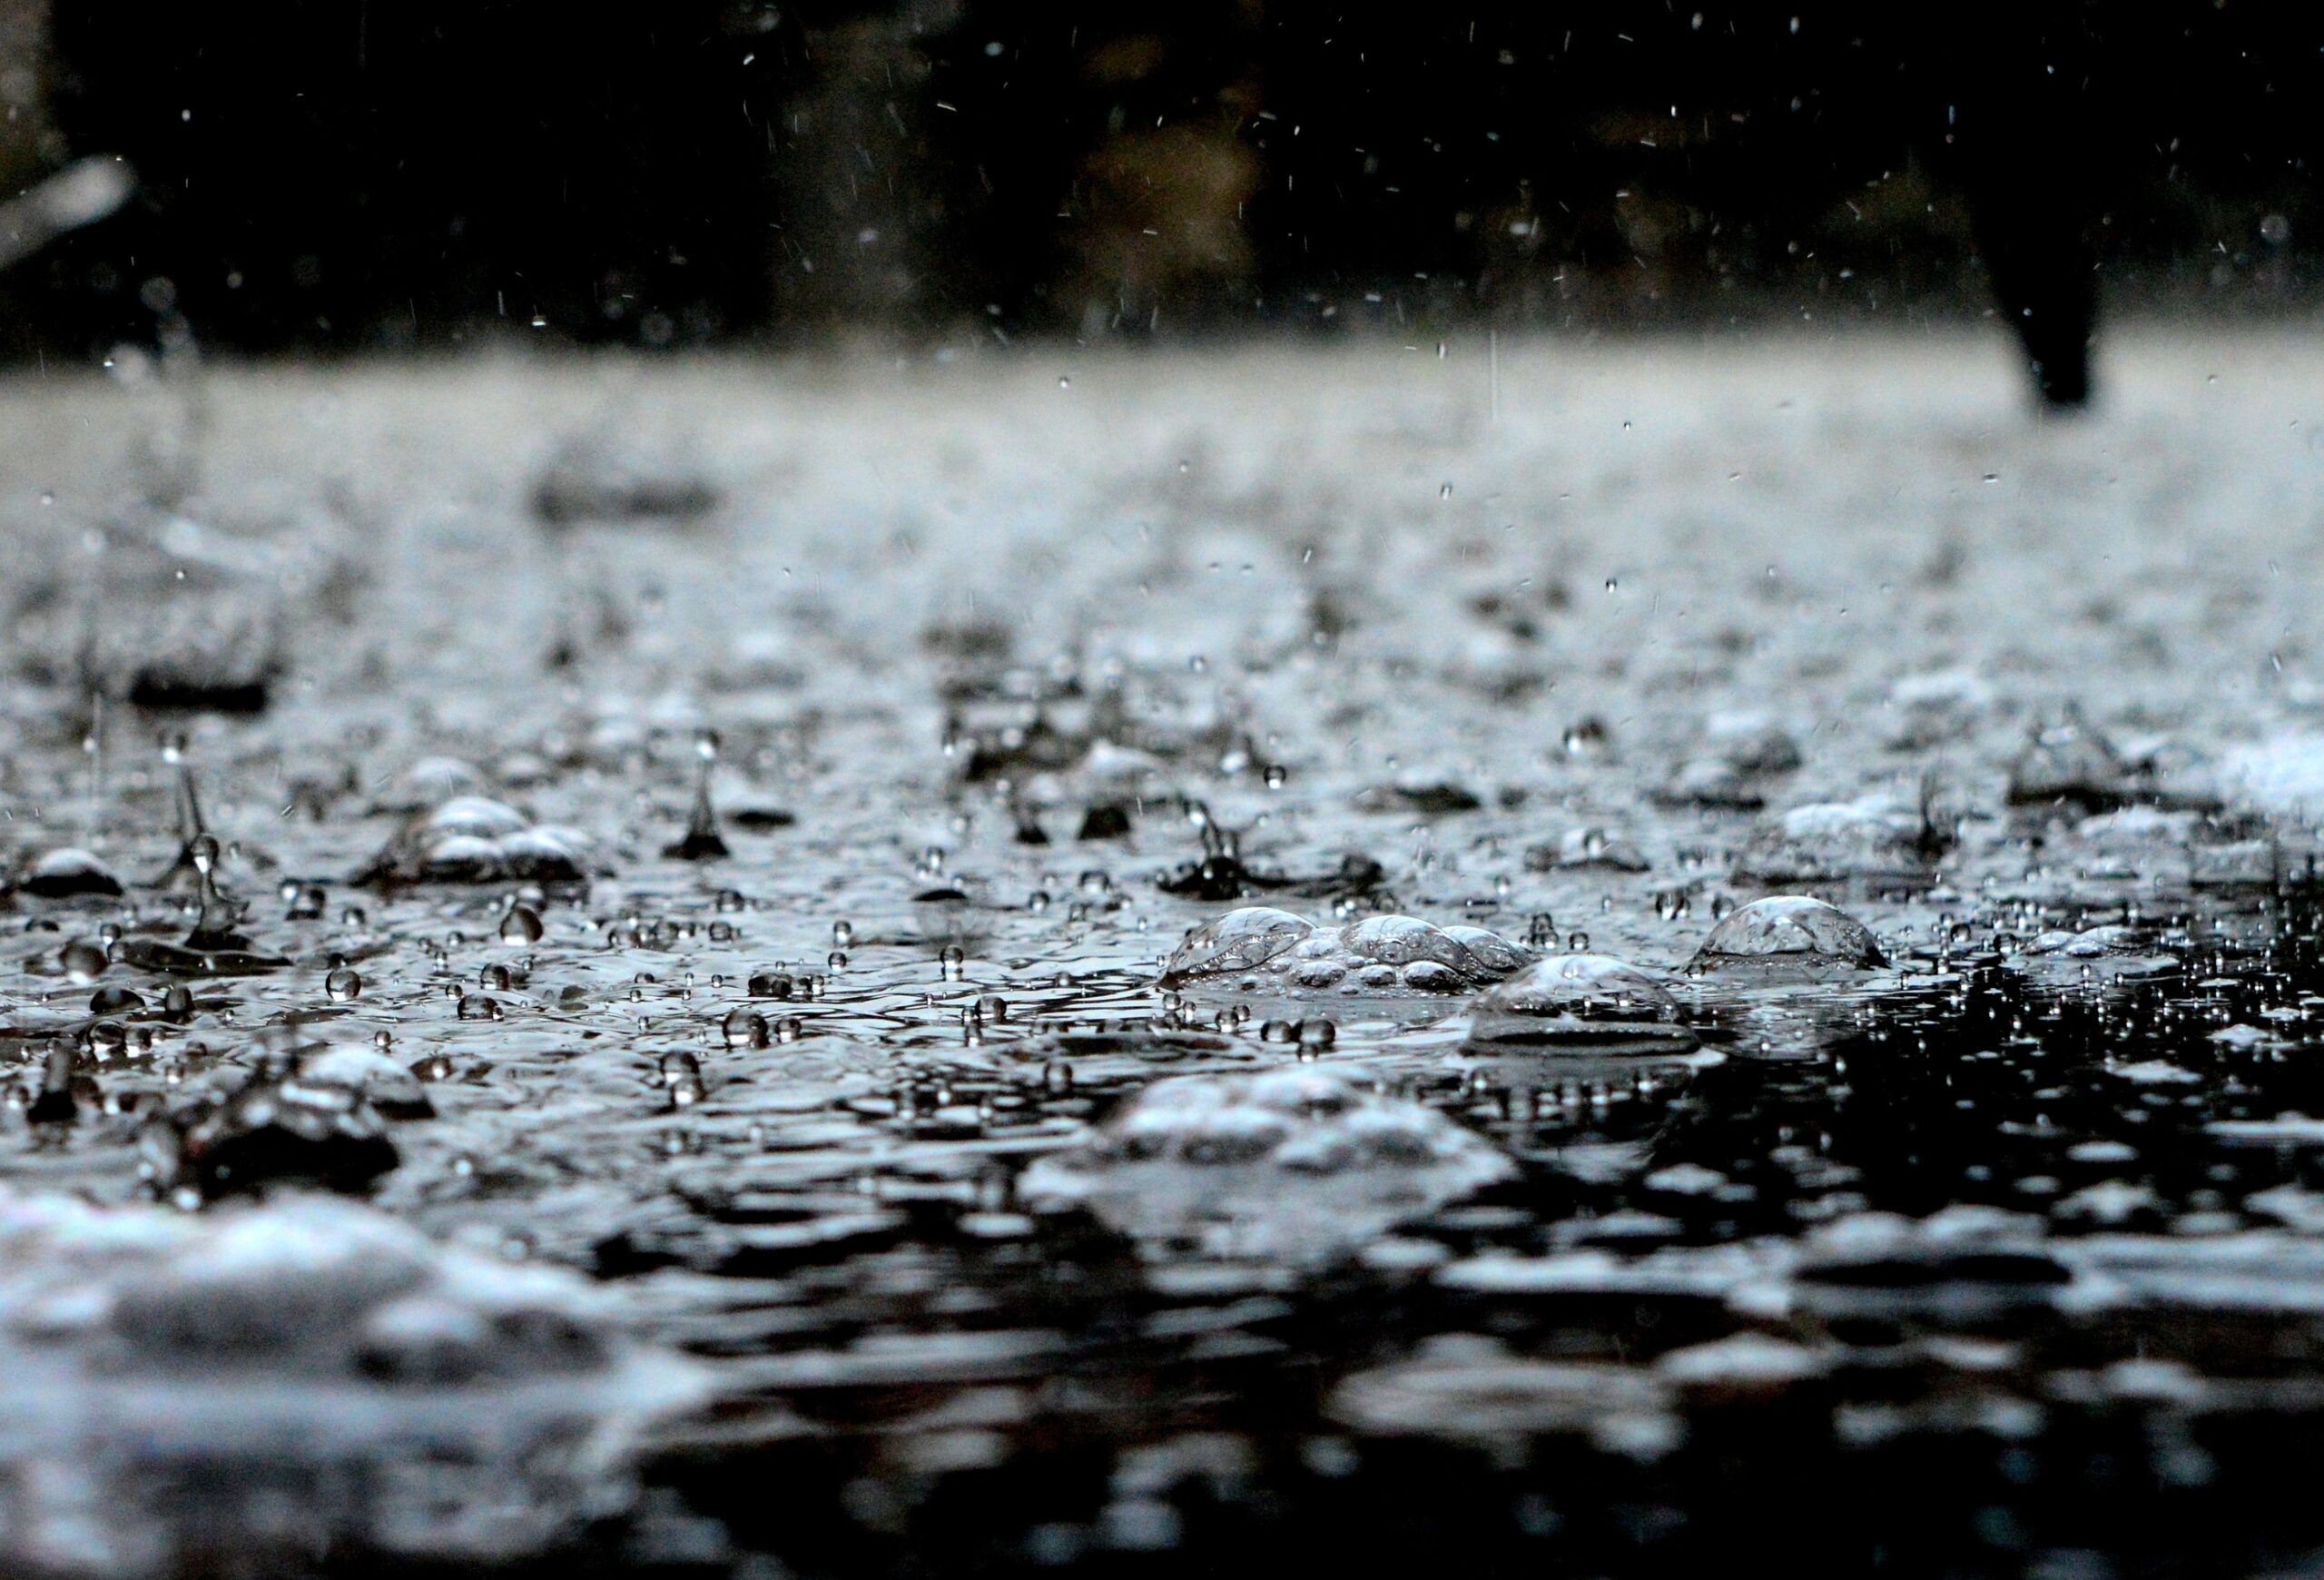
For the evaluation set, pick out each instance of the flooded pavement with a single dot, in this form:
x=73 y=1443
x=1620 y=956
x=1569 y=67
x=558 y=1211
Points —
x=1093 y=963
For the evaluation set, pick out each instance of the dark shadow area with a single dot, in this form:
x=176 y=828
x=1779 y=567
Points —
x=342 y=176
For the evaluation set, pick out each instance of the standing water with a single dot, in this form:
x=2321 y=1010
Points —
x=925 y=972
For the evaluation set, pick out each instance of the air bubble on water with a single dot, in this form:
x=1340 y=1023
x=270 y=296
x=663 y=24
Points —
x=1289 y=1164
x=1789 y=931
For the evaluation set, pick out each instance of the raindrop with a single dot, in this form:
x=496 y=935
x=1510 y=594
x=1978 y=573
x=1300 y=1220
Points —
x=702 y=841
x=745 y=1029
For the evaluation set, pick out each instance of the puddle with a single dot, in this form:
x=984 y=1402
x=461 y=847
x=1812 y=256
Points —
x=1053 y=973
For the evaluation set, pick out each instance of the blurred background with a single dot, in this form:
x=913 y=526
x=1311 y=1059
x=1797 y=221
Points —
x=351 y=175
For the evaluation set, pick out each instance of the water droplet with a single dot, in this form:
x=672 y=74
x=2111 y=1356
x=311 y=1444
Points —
x=745 y=1029
x=343 y=984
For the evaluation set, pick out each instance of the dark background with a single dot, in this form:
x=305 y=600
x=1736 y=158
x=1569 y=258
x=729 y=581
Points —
x=356 y=175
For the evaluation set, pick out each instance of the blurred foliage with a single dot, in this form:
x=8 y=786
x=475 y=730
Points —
x=338 y=174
